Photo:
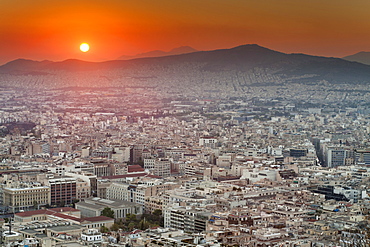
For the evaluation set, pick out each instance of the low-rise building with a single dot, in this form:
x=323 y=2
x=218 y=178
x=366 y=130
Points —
x=93 y=206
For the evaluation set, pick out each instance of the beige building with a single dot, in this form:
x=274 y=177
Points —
x=47 y=214
x=82 y=189
x=159 y=167
x=162 y=168
x=152 y=203
x=137 y=193
x=93 y=206
x=21 y=197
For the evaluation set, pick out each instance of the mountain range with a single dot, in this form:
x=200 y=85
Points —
x=254 y=63
x=158 y=53
x=361 y=57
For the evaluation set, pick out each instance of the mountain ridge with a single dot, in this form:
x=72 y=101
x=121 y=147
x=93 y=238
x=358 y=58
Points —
x=249 y=60
x=159 y=53
x=360 y=57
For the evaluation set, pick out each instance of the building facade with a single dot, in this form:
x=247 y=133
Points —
x=24 y=198
x=63 y=191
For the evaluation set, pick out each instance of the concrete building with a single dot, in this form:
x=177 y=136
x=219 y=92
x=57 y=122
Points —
x=93 y=206
x=362 y=156
x=187 y=219
x=63 y=191
x=336 y=157
x=83 y=189
x=206 y=141
x=162 y=168
x=24 y=197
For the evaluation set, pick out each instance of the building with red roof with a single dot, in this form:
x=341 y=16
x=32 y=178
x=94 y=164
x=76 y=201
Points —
x=68 y=214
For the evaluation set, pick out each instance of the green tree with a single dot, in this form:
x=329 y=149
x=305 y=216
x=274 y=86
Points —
x=107 y=212
x=131 y=218
x=104 y=229
x=115 y=227
x=157 y=212
x=74 y=202
x=143 y=224
x=131 y=226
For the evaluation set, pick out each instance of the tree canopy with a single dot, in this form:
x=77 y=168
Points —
x=107 y=212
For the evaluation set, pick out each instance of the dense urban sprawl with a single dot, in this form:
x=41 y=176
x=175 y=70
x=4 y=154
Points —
x=209 y=164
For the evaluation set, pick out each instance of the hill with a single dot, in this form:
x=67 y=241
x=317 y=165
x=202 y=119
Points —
x=361 y=57
x=244 y=65
x=158 y=53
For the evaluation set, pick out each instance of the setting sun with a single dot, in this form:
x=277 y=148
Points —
x=84 y=47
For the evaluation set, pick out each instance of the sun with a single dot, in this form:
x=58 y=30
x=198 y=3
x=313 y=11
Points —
x=84 y=47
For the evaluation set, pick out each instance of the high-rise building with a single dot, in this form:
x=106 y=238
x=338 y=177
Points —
x=336 y=157
x=63 y=191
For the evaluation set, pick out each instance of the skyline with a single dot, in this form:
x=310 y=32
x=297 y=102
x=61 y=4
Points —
x=44 y=30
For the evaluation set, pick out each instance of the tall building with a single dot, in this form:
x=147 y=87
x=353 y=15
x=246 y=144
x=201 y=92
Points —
x=121 y=154
x=162 y=167
x=338 y=156
x=83 y=189
x=85 y=152
x=63 y=191
x=136 y=153
x=102 y=169
x=149 y=163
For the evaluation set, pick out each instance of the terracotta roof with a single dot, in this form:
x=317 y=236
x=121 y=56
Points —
x=67 y=217
x=30 y=213
x=135 y=168
x=143 y=174
x=136 y=231
x=97 y=219
x=49 y=211
x=64 y=209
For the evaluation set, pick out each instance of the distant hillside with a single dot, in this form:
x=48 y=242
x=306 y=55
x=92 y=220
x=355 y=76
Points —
x=361 y=57
x=244 y=65
x=158 y=53
x=22 y=66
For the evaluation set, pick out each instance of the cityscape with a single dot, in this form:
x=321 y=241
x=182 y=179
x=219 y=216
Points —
x=283 y=166
x=190 y=124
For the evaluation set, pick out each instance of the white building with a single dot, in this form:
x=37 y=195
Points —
x=91 y=236
x=255 y=175
x=207 y=142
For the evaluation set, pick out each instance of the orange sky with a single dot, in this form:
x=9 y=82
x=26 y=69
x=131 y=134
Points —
x=53 y=30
